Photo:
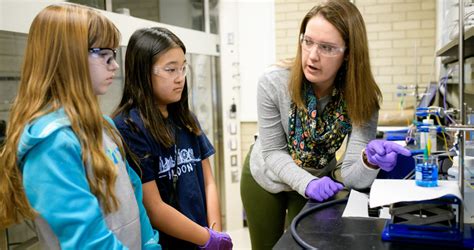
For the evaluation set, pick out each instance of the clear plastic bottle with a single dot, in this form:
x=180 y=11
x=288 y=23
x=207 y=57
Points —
x=422 y=135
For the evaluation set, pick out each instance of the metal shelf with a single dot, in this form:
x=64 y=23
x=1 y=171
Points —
x=450 y=50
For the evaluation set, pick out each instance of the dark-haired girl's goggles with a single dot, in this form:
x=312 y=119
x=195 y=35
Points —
x=108 y=55
x=171 y=72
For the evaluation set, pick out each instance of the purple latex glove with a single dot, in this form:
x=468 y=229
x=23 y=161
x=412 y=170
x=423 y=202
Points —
x=322 y=189
x=384 y=153
x=217 y=241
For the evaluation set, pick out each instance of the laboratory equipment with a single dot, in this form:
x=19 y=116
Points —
x=425 y=135
x=448 y=220
x=426 y=170
x=453 y=173
x=428 y=221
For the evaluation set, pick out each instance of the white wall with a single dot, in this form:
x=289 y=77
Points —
x=231 y=202
x=247 y=48
x=256 y=27
x=17 y=16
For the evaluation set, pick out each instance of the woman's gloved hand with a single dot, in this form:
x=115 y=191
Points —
x=217 y=241
x=322 y=189
x=384 y=153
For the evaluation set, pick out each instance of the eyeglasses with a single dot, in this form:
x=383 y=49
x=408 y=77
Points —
x=171 y=72
x=323 y=49
x=108 y=55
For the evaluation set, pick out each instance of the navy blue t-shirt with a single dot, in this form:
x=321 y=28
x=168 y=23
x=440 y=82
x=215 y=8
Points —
x=158 y=164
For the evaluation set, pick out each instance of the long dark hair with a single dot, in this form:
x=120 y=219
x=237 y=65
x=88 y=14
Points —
x=144 y=48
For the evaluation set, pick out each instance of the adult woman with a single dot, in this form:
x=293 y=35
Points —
x=62 y=163
x=305 y=110
x=172 y=152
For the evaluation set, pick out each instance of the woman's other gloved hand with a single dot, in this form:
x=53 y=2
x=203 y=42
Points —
x=384 y=153
x=217 y=241
x=322 y=189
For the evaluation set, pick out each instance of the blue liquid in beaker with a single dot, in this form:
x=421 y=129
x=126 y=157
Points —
x=426 y=175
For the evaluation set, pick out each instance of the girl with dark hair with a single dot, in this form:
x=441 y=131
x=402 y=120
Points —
x=171 y=152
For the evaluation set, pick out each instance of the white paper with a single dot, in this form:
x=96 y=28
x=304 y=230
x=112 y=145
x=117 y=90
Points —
x=357 y=205
x=386 y=191
x=385 y=213
x=390 y=128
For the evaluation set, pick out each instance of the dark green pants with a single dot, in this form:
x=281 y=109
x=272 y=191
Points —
x=266 y=212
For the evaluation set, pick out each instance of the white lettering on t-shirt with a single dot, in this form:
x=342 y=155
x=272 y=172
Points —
x=186 y=163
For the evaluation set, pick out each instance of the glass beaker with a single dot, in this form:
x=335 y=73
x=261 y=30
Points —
x=426 y=170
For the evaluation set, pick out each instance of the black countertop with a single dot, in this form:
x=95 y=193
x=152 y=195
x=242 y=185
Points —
x=326 y=229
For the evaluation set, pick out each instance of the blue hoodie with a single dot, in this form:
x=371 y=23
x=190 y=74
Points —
x=55 y=182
